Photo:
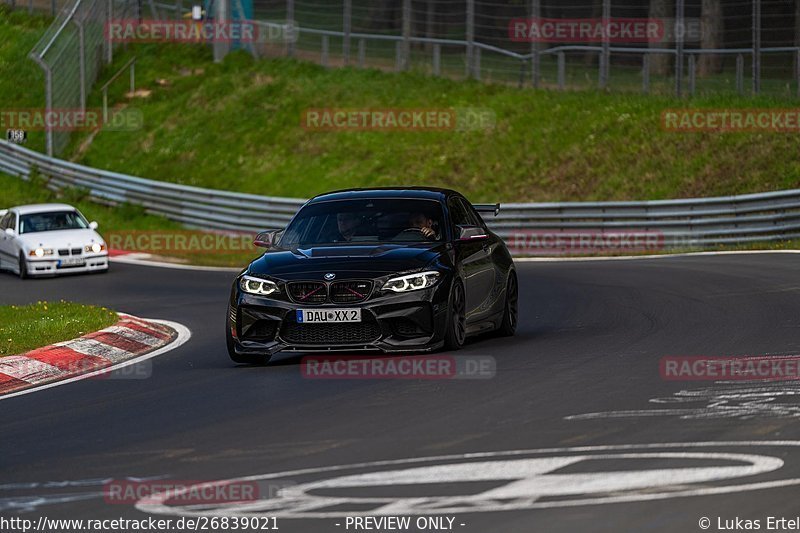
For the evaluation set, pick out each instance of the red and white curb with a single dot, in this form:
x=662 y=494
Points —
x=127 y=342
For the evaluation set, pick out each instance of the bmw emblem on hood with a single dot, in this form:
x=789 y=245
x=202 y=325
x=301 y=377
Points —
x=329 y=276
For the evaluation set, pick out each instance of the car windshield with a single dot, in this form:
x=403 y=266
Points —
x=384 y=220
x=51 y=221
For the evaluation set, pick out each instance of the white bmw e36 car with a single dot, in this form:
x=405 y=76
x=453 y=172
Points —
x=49 y=239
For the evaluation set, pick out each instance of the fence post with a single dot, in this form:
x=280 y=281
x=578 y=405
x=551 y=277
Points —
x=48 y=97
x=362 y=53
x=347 y=21
x=562 y=68
x=605 y=58
x=470 y=35
x=740 y=74
x=53 y=8
x=679 y=25
x=290 y=20
x=220 y=17
x=756 y=46
x=109 y=43
x=405 y=58
x=324 y=59
x=646 y=73
x=536 y=75
x=398 y=56
x=133 y=76
x=477 y=63
x=437 y=59
x=691 y=74
x=797 y=79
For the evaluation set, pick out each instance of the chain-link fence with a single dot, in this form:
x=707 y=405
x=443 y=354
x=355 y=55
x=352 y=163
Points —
x=72 y=52
x=740 y=46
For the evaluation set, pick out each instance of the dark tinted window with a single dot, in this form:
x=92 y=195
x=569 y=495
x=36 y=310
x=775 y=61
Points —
x=458 y=213
x=51 y=221
x=382 y=220
x=4 y=220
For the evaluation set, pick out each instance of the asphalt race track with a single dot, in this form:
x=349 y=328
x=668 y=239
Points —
x=608 y=444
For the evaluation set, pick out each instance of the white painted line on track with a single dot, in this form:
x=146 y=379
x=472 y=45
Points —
x=653 y=256
x=141 y=260
x=184 y=334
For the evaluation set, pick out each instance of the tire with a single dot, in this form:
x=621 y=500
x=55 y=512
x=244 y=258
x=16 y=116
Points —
x=456 y=332
x=243 y=359
x=23 y=267
x=511 y=309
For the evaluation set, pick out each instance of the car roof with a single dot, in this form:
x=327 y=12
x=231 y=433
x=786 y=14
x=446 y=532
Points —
x=429 y=193
x=41 y=208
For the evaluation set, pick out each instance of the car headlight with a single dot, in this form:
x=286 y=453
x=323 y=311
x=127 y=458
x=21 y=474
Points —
x=412 y=282
x=94 y=248
x=40 y=252
x=258 y=286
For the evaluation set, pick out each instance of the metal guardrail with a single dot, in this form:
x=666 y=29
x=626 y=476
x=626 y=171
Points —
x=685 y=223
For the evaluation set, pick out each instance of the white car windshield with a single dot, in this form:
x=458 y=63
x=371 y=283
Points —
x=51 y=221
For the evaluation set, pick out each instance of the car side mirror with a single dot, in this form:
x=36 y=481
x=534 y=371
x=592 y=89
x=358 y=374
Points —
x=10 y=232
x=93 y=225
x=267 y=239
x=471 y=233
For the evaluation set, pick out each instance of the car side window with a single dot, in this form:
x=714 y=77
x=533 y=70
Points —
x=12 y=222
x=4 y=222
x=475 y=215
x=458 y=214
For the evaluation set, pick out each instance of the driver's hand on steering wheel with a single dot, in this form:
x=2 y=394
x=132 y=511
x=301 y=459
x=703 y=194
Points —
x=427 y=232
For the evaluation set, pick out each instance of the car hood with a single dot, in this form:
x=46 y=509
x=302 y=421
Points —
x=68 y=238
x=345 y=261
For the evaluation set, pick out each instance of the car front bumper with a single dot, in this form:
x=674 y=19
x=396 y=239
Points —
x=390 y=323
x=47 y=266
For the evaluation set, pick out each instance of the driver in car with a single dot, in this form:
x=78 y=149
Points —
x=347 y=224
x=423 y=223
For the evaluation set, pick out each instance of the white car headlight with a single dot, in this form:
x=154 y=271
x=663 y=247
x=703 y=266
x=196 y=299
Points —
x=94 y=248
x=258 y=286
x=412 y=282
x=40 y=252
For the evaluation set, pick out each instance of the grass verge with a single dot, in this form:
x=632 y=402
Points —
x=26 y=327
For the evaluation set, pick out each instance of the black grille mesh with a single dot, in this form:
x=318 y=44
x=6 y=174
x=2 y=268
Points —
x=308 y=292
x=332 y=334
x=350 y=291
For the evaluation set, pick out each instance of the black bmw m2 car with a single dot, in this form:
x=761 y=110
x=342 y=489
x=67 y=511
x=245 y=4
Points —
x=393 y=270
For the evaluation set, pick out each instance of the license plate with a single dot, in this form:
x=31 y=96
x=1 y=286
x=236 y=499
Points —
x=328 y=316
x=71 y=261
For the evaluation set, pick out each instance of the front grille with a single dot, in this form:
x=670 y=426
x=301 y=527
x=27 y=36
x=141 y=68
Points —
x=308 y=292
x=350 y=291
x=331 y=334
x=66 y=251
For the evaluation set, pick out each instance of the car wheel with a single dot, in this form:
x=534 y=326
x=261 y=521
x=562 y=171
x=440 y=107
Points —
x=23 y=267
x=244 y=359
x=457 y=320
x=511 y=312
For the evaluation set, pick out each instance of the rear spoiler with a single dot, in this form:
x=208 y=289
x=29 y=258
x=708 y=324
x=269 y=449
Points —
x=487 y=208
